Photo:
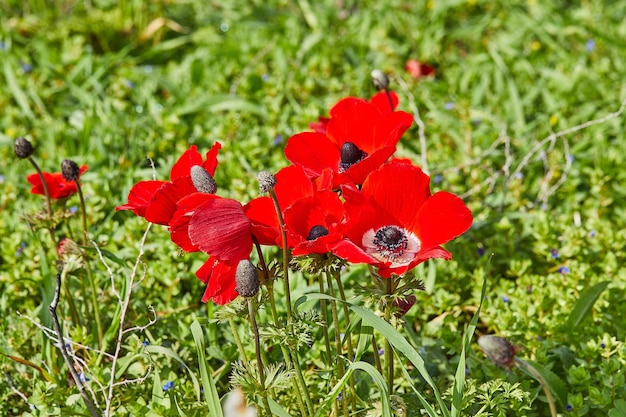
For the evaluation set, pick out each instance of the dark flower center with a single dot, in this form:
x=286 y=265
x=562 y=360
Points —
x=317 y=231
x=392 y=241
x=350 y=155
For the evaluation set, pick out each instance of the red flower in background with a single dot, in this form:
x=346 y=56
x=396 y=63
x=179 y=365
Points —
x=58 y=186
x=418 y=69
x=156 y=200
x=394 y=222
x=360 y=136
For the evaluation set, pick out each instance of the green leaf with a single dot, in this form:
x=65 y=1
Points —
x=210 y=390
x=619 y=410
x=277 y=410
x=584 y=304
x=171 y=354
x=554 y=383
x=459 y=377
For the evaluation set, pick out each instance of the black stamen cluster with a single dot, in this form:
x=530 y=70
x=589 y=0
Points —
x=70 y=170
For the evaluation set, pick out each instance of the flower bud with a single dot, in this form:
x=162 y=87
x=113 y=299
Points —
x=70 y=170
x=23 y=148
x=498 y=349
x=380 y=79
x=247 y=279
x=202 y=180
x=267 y=181
x=403 y=305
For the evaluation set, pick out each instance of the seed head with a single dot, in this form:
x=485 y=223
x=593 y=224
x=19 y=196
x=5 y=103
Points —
x=202 y=180
x=267 y=181
x=70 y=170
x=498 y=349
x=23 y=148
x=247 y=279
x=380 y=79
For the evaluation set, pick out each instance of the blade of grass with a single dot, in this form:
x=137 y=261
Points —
x=210 y=390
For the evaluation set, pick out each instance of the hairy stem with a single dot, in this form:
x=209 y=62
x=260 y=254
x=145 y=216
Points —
x=259 y=361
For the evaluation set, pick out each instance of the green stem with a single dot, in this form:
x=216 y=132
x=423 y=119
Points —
x=379 y=365
x=329 y=360
x=259 y=361
x=295 y=362
x=528 y=367
x=92 y=281
x=388 y=348
x=346 y=313
x=242 y=351
x=338 y=345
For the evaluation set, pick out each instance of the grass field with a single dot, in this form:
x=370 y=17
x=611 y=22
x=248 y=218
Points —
x=523 y=119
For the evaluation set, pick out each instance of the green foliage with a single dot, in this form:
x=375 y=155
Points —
x=125 y=87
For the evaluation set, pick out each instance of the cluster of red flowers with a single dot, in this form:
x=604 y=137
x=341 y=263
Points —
x=343 y=193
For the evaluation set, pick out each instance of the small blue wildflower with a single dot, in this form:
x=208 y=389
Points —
x=146 y=342
x=592 y=233
x=449 y=105
x=147 y=68
x=381 y=352
x=82 y=377
x=570 y=158
x=73 y=209
x=505 y=299
x=278 y=139
x=602 y=345
x=437 y=179
x=569 y=408
x=563 y=270
x=544 y=207
x=20 y=250
x=590 y=45
x=538 y=338
x=265 y=77
x=3 y=46
x=467 y=371
x=26 y=67
x=554 y=253
x=339 y=397
x=129 y=83
x=480 y=250
x=168 y=386
x=2 y=178
x=476 y=122
x=519 y=175
x=224 y=27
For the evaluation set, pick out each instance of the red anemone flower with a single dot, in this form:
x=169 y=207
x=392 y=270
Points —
x=156 y=200
x=419 y=69
x=394 y=223
x=314 y=223
x=58 y=186
x=360 y=136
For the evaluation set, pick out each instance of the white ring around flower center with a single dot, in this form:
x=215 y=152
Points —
x=399 y=251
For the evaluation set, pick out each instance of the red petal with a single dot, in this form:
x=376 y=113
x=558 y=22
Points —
x=140 y=196
x=220 y=228
x=313 y=152
x=211 y=159
x=359 y=171
x=292 y=183
x=442 y=218
x=381 y=101
x=263 y=221
x=182 y=167
x=179 y=225
x=163 y=204
x=352 y=253
x=401 y=190
x=220 y=279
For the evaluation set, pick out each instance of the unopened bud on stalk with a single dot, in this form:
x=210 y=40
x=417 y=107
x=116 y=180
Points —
x=202 y=180
x=380 y=79
x=247 y=279
x=498 y=349
x=267 y=181
x=70 y=170
x=23 y=148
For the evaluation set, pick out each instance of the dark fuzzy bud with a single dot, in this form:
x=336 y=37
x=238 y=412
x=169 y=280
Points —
x=70 y=170
x=498 y=349
x=403 y=305
x=202 y=180
x=380 y=80
x=247 y=279
x=23 y=148
x=267 y=181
